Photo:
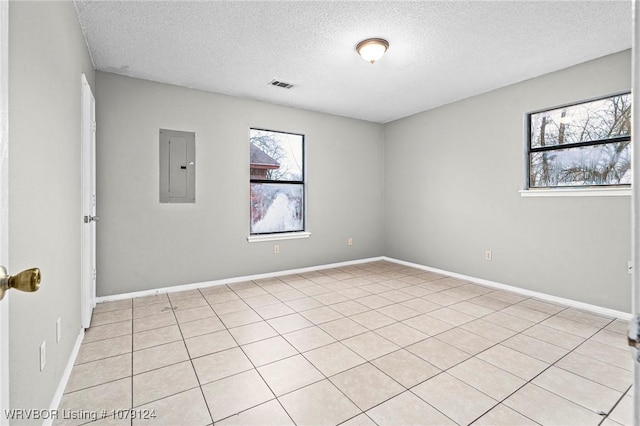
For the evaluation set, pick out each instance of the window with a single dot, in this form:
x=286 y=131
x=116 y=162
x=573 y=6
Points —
x=277 y=182
x=585 y=144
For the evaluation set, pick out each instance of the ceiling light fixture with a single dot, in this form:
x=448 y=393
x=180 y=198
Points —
x=372 y=49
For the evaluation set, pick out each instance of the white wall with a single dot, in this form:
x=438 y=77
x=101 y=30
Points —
x=452 y=177
x=143 y=244
x=47 y=55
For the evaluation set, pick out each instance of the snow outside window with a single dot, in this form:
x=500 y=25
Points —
x=581 y=145
x=276 y=182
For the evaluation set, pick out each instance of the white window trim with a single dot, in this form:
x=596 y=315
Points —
x=576 y=192
x=278 y=237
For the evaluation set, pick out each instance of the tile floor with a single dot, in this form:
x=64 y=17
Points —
x=376 y=343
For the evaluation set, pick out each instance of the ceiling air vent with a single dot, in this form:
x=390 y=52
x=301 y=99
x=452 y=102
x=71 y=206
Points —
x=281 y=84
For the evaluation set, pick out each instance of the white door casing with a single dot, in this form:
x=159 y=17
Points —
x=88 y=280
x=4 y=205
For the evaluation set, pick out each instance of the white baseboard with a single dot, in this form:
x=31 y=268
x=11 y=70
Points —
x=543 y=296
x=57 y=397
x=195 y=286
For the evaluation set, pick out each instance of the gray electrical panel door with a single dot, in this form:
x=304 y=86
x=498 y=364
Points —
x=177 y=166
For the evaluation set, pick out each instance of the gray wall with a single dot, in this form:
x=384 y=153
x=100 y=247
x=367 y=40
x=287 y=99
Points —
x=143 y=244
x=452 y=176
x=47 y=55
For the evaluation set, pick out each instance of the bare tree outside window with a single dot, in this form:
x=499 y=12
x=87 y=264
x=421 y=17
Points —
x=276 y=182
x=587 y=144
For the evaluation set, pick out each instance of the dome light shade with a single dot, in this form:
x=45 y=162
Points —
x=372 y=49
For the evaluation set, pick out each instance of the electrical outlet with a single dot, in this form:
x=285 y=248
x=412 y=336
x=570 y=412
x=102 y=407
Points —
x=276 y=249
x=350 y=241
x=43 y=354
x=487 y=255
x=58 y=330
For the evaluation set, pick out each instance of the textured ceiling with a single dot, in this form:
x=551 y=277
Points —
x=441 y=51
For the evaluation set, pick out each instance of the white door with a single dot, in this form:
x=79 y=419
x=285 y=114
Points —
x=89 y=218
x=4 y=205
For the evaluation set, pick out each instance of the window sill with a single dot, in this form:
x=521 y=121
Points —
x=278 y=237
x=575 y=192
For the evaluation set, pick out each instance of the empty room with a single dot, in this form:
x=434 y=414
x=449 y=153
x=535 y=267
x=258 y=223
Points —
x=317 y=213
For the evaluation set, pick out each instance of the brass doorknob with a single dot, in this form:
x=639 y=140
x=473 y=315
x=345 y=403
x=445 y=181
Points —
x=28 y=280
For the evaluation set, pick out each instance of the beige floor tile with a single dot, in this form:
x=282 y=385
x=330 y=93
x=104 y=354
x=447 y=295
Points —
x=514 y=362
x=359 y=420
x=150 y=300
x=209 y=343
x=163 y=382
x=547 y=408
x=583 y=317
x=407 y=409
x=153 y=309
x=321 y=315
x=502 y=415
x=536 y=348
x=220 y=365
x=509 y=321
x=108 y=331
x=181 y=304
x=289 y=374
x=314 y=290
x=330 y=298
x=270 y=413
x=406 y=368
x=102 y=318
x=274 y=311
x=438 y=353
x=366 y=386
x=507 y=296
x=523 y=312
x=451 y=316
x=428 y=324
x=109 y=396
x=308 y=338
x=289 y=323
x=569 y=326
x=618 y=326
x=268 y=350
x=487 y=378
x=472 y=309
x=370 y=345
x=465 y=340
x=236 y=319
x=354 y=293
x=252 y=332
x=99 y=372
x=623 y=412
x=334 y=358
x=398 y=312
x=421 y=305
x=454 y=398
x=489 y=302
x=113 y=306
x=441 y=299
x=488 y=330
x=159 y=356
x=597 y=371
x=318 y=404
x=229 y=307
x=372 y=319
x=542 y=306
x=374 y=301
x=605 y=353
x=554 y=336
x=200 y=327
x=221 y=297
x=350 y=307
x=417 y=291
x=401 y=334
x=104 y=349
x=215 y=289
x=186 y=294
x=396 y=296
x=155 y=337
x=611 y=338
x=186 y=408
x=156 y=321
x=291 y=295
x=277 y=287
x=577 y=389
x=229 y=396
x=303 y=304
x=250 y=292
x=343 y=328
x=194 y=314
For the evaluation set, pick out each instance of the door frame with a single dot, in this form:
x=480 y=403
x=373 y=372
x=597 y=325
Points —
x=88 y=231
x=4 y=205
